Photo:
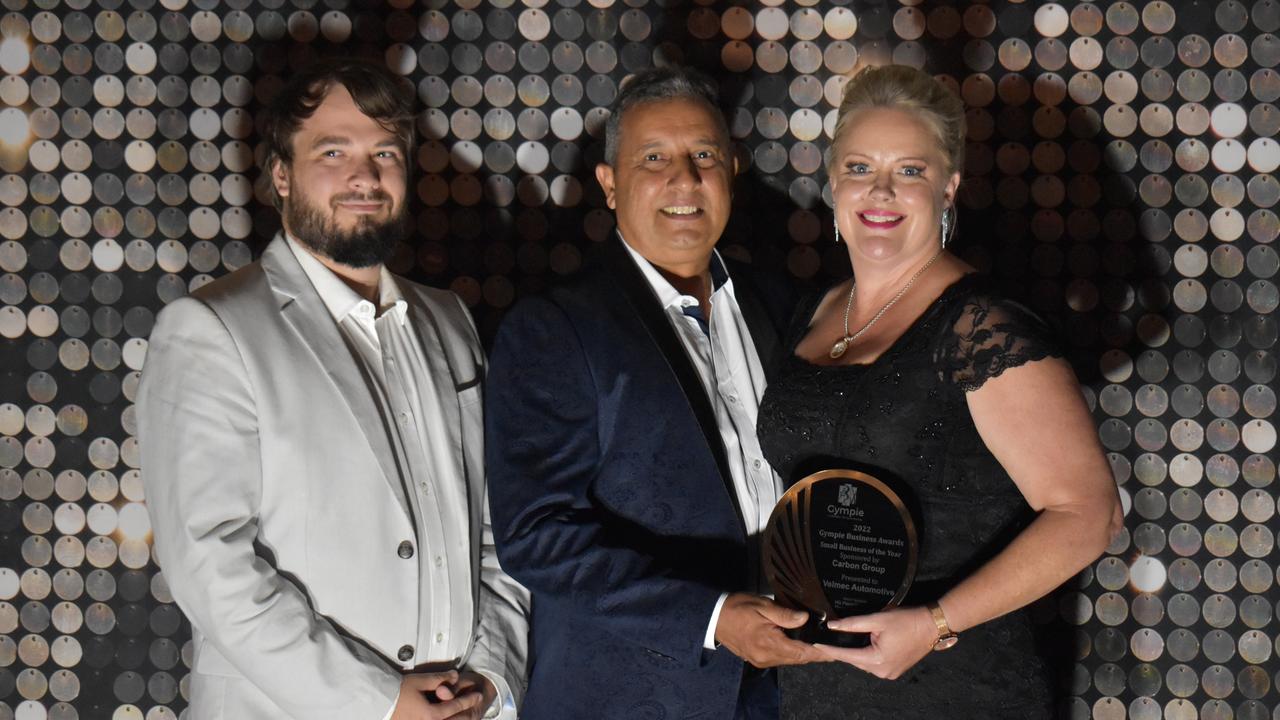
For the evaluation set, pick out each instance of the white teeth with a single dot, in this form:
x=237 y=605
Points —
x=680 y=210
x=876 y=217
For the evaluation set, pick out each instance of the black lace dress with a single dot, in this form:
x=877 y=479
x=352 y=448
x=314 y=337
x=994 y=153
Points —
x=904 y=418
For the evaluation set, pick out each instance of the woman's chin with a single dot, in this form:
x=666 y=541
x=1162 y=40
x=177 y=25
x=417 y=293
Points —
x=877 y=249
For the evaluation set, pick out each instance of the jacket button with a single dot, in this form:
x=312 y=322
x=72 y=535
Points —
x=405 y=550
x=406 y=653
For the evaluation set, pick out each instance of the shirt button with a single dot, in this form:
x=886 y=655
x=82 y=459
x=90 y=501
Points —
x=405 y=550
x=439 y=638
x=439 y=561
x=404 y=418
x=755 y=464
x=406 y=653
x=733 y=398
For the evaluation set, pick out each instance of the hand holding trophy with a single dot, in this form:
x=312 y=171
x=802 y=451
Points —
x=839 y=543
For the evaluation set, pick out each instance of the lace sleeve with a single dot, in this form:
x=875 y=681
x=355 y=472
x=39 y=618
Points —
x=991 y=335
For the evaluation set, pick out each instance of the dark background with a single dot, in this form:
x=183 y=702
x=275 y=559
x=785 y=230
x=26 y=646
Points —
x=1119 y=179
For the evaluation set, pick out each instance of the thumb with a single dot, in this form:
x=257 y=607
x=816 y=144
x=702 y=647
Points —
x=783 y=616
x=427 y=682
x=857 y=623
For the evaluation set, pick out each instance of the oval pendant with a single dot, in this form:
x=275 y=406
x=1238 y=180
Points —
x=838 y=349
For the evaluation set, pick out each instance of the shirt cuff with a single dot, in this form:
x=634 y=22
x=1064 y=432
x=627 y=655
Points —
x=709 y=640
x=392 y=711
x=503 y=706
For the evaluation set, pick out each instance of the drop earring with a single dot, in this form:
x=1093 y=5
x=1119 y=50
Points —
x=946 y=225
x=835 y=224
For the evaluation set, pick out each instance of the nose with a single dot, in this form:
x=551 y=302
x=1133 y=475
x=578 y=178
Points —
x=882 y=186
x=365 y=176
x=685 y=172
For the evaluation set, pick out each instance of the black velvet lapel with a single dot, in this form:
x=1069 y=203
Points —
x=640 y=297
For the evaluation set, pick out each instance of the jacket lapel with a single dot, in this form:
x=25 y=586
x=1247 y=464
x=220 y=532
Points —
x=640 y=297
x=305 y=312
x=763 y=332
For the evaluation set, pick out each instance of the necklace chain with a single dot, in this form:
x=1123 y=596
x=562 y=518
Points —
x=841 y=345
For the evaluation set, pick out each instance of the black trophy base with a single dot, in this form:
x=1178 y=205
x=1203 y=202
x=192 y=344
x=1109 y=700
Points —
x=815 y=631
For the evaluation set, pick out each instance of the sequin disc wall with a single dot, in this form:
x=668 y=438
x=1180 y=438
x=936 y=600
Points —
x=1120 y=177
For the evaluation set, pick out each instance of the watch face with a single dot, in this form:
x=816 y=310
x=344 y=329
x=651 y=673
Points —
x=945 y=642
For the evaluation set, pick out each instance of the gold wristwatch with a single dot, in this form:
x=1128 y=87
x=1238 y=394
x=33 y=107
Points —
x=946 y=638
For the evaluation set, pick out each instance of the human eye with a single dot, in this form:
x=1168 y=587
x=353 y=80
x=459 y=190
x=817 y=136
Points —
x=913 y=171
x=857 y=168
x=705 y=157
x=387 y=155
x=652 y=157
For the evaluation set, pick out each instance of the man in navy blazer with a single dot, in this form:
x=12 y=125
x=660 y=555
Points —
x=628 y=489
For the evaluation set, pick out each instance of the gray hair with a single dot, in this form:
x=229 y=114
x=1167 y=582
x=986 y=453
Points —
x=655 y=85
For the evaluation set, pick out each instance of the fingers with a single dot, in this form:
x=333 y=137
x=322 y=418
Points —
x=857 y=623
x=861 y=658
x=781 y=616
x=899 y=639
x=428 y=682
x=457 y=707
x=794 y=652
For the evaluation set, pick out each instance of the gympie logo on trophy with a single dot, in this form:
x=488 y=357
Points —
x=839 y=543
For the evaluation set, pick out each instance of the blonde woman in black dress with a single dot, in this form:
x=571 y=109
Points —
x=920 y=373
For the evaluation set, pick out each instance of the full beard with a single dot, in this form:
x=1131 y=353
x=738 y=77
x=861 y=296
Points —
x=370 y=242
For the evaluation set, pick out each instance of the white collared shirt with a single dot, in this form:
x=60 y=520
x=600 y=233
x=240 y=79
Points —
x=729 y=366
x=392 y=359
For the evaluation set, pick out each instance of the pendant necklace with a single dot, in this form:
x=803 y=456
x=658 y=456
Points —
x=841 y=345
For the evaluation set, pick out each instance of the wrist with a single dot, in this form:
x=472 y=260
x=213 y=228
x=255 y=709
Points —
x=946 y=637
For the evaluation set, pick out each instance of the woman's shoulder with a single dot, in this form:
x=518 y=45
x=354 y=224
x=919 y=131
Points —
x=986 y=331
x=975 y=302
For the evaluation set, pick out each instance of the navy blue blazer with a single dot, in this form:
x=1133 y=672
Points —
x=611 y=498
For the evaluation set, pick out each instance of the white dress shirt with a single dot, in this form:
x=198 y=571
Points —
x=725 y=357
x=391 y=358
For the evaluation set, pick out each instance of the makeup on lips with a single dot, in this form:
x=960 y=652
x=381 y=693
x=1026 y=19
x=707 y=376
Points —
x=880 y=220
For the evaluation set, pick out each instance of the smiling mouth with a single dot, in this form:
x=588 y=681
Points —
x=681 y=211
x=880 y=220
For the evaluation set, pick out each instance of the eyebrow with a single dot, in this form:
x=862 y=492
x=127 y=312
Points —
x=342 y=141
x=697 y=141
x=912 y=158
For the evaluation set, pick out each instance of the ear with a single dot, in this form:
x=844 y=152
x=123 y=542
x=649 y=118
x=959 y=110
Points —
x=604 y=176
x=280 y=177
x=949 y=193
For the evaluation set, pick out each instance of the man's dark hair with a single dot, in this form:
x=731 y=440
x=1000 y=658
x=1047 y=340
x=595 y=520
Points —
x=655 y=85
x=377 y=91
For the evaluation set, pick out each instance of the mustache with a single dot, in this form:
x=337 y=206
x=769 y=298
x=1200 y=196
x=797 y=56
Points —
x=375 y=196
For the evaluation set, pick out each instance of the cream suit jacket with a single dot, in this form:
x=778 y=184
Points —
x=277 y=506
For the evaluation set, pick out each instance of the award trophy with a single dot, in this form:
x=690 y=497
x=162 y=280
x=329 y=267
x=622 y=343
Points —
x=839 y=543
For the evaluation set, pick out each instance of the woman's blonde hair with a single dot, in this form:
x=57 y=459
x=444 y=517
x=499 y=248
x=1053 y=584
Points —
x=902 y=87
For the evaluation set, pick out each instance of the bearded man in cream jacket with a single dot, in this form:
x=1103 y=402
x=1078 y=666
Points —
x=312 y=449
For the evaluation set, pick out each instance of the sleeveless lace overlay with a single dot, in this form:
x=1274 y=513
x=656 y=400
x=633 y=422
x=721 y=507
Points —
x=903 y=418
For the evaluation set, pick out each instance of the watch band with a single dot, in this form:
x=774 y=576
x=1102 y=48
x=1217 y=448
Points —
x=946 y=637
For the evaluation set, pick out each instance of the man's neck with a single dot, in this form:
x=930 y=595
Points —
x=364 y=281
x=696 y=285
